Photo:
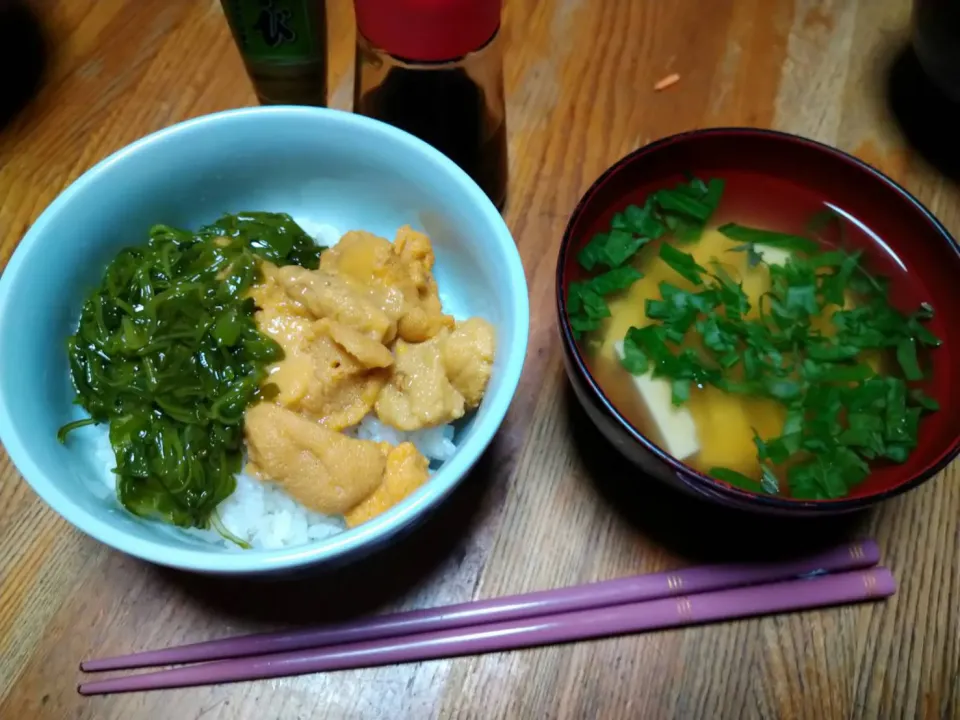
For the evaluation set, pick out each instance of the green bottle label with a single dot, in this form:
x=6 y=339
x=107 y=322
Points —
x=274 y=30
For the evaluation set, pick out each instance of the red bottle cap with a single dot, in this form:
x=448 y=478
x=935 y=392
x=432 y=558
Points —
x=428 y=30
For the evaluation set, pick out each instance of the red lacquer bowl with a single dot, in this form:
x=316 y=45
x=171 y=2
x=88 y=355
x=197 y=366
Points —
x=786 y=178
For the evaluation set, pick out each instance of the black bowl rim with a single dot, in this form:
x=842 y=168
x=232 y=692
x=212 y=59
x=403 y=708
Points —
x=724 y=490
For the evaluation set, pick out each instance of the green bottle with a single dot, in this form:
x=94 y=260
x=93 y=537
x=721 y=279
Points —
x=284 y=48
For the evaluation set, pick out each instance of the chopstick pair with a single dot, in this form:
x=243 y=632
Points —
x=644 y=602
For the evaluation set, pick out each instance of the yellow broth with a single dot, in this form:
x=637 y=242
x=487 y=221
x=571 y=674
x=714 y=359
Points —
x=725 y=423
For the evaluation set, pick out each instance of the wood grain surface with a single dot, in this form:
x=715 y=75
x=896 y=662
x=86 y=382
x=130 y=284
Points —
x=550 y=505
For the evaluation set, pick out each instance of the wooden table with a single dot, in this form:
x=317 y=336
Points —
x=550 y=505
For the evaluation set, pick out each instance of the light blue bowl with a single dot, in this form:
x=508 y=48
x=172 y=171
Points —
x=322 y=167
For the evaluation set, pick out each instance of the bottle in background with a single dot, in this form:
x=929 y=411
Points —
x=435 y=69
x=284 y=48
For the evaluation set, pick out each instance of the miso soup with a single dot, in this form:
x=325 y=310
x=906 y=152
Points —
x=758 y=347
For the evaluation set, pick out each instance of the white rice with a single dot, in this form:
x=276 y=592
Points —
x=322 y=233
x=264 y=516
x=435 y=443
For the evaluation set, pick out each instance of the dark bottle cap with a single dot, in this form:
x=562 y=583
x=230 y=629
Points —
x=428 y=30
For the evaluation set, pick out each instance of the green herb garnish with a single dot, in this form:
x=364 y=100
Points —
x=682 y=262
x=737 y=479
x=682 y=211
x=841 y=412
x=167 y=352
x=769 y=238
x=585 y=302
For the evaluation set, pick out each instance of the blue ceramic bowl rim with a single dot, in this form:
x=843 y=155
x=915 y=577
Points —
x=351 y=540
x=699 y=482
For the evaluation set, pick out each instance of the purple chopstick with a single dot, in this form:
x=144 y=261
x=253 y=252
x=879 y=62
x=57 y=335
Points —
x=638 y=588
x=741 y=602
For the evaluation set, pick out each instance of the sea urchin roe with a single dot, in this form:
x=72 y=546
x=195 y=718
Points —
x=364 y=332
x=406 y=470
x=325 y=470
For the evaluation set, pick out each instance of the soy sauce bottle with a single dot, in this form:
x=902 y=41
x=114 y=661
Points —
x=434 y=68
x=284 y=48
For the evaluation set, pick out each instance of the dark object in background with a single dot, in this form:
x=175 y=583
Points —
x=23 y=55
x=435 y=70
x=284 y=48
x=927 y=118
x=936 y=41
